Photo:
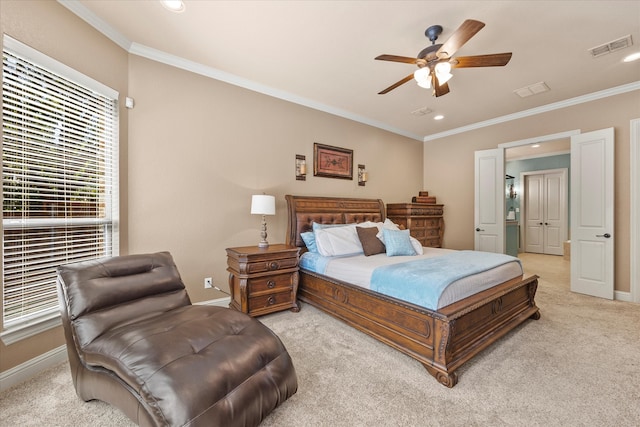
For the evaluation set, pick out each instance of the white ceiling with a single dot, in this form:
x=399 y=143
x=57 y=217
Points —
x=321 y=53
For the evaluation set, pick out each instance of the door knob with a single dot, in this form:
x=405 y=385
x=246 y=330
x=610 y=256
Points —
x=539 y=223
x=605 y=235
x=546 y=223
x=479 y=229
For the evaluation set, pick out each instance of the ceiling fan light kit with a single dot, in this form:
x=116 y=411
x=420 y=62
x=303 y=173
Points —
x=435 y=62
x=423 y=77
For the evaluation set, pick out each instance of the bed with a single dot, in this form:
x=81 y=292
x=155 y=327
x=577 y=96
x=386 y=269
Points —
x=442 y=339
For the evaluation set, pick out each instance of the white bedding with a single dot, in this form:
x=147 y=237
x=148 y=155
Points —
x=358 y=269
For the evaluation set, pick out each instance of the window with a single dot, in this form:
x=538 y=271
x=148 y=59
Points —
x=59 y=180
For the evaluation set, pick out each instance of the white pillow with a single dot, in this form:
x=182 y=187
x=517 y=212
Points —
x=337 y=241
x=390 y=225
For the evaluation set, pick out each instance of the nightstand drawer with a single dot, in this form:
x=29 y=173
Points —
x=271 y=265
x=270 y=300
x=273 y=283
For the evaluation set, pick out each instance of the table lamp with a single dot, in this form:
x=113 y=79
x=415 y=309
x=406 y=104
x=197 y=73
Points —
x=262 y=204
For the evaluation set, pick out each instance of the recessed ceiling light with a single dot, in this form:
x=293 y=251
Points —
x=632 y=57
x=535 y=146
x=438 y=117
x=173 y=5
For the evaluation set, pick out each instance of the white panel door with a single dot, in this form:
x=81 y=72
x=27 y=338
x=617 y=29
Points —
x=546 y=212
x=592 y=239
x=489 y=201
x=554 y=213
x=534 y=214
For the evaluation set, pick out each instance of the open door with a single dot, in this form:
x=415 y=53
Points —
x=592 y=239
x=489 y=203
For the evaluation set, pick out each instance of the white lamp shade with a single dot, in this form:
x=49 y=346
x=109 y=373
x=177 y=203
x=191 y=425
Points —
x=422 y=77
x=262 y=204
x=443 y=68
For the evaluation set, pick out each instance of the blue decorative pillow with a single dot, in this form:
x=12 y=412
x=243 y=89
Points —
x=309 y=239
x=398 y=242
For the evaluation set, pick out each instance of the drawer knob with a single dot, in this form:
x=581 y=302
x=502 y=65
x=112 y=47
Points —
x=273 y=265
x=271 y=284
x=271 y=300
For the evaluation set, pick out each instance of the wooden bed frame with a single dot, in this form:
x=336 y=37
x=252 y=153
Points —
x=441 y=340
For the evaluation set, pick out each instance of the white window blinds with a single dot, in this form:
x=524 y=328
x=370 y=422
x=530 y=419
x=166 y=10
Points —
x=59 y=178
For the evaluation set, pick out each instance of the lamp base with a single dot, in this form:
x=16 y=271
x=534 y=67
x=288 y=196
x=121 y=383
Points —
x=263 y=244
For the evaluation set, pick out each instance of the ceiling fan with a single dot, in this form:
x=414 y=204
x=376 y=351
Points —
x=435 y=62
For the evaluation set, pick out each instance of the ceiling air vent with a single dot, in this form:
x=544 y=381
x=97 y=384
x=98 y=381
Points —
x=422 y=111
x=612 y=46
x=533 y=89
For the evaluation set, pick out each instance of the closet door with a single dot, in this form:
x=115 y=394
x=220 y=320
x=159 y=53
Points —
x=554 y=213
x=546 y=212
x=534 y=228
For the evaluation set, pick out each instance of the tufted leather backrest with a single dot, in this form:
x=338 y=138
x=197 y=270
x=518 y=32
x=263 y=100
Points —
x=101 y=294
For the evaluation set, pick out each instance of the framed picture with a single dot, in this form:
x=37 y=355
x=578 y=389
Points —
x=332 y=162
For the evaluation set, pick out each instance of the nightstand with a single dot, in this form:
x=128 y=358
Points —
x=263 y=280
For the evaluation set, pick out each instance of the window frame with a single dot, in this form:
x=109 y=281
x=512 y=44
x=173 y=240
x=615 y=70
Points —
x=32 y=324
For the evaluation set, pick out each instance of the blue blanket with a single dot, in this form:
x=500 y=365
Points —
x=423 y=281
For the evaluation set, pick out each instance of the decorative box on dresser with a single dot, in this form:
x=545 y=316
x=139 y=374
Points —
x=263 y=280
x=424 y=220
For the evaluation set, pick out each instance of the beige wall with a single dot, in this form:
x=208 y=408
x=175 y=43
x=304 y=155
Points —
x=449 y=166
x=53 y=30
x=199 y=149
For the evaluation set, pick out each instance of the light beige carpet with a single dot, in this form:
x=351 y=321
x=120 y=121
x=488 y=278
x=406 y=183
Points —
x=578 y=365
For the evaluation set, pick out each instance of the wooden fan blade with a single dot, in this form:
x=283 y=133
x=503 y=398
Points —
x=396 y=58
x=468 y=29
x=439 y=89
x=395 y=85
x=491 y=60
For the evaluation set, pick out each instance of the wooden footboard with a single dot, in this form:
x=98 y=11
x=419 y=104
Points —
x=441 y=340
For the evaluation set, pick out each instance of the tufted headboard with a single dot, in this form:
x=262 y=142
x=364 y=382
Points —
x=304 y=210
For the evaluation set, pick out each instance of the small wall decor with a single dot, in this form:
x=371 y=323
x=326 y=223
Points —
x=301 y=168
x=332 y=162
x=363 y=175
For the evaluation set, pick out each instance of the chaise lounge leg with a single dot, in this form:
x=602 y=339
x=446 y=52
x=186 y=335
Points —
x=446 y=379
x=535 y=316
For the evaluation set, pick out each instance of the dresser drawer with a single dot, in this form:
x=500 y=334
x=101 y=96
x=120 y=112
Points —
x=418 y=233
x=433 y=222
x=273 y=283
x=418 y=222
x=432 y=242
x=266 y=301
x=432 y=232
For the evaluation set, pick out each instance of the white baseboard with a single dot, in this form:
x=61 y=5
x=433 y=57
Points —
x=32 y=367
x=220 y=302
x=622 y=296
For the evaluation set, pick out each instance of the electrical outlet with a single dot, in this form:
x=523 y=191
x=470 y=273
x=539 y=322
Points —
x=208 y=282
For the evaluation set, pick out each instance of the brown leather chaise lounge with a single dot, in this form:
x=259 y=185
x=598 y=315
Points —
x=135 y=341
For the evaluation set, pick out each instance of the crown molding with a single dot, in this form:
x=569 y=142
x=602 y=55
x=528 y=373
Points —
x=617 y=90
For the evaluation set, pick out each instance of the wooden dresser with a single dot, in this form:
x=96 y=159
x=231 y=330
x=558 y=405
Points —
x=423 y=220
x=263 y=280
